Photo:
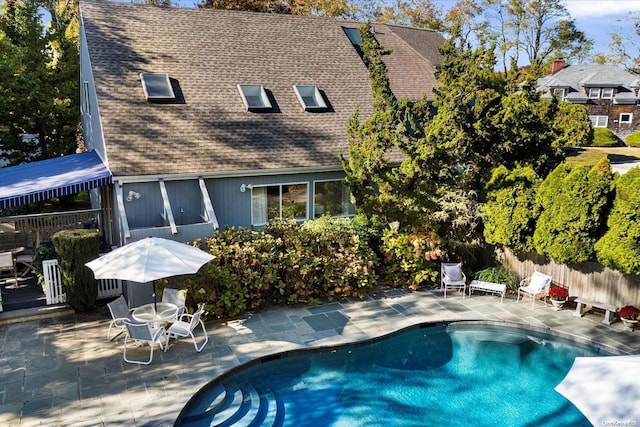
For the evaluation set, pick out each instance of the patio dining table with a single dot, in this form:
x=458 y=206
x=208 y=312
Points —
x=155 y=313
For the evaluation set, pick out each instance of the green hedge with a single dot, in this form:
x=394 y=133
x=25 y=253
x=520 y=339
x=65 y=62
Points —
x=575 y=202
x=603 y=137
x=511 y=211
x=619 y=248
x=74 y=249
x=633 y=140
x=285 y=263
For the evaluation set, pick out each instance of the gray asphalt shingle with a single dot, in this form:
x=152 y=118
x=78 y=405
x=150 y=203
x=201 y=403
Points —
x=207 y=53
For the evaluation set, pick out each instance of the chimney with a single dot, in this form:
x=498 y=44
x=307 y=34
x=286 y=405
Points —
x=558 y=64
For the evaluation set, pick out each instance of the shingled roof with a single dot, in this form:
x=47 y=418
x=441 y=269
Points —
x=206 y=54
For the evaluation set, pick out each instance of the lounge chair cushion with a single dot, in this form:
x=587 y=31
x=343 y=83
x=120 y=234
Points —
x=453 y=272
x=538 y=281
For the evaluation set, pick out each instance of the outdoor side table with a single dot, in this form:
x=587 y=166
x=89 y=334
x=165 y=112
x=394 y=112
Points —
x=496 y=288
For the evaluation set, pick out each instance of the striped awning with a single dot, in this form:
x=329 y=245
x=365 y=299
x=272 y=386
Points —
x=45 y=179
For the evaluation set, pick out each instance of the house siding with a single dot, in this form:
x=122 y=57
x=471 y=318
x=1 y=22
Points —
x=232 y=207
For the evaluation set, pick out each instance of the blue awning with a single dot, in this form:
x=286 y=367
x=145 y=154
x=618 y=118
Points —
x=45 y=179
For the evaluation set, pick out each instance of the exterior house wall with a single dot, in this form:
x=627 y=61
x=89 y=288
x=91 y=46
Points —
x=622 y=130
x=90 y=115
x=232 y=206
x=606 y=107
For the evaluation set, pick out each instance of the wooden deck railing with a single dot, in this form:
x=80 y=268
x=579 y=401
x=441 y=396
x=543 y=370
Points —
x=29 y=230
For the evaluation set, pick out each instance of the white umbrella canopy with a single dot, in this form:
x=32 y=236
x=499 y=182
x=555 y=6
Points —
x=605 y=389
x=149 y=259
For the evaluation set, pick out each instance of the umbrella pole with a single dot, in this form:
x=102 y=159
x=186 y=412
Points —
x=155 y=303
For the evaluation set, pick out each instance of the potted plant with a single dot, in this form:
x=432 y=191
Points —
x=558 y=297
x=629 y=315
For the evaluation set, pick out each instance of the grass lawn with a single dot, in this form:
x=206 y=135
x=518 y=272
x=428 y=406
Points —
x=591 y=155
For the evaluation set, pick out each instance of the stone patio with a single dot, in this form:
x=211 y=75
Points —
x=62 y=371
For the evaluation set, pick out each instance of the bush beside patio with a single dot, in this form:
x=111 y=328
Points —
x=285 y=263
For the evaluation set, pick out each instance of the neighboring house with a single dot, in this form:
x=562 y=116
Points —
x=212 y=118
x=609 y=93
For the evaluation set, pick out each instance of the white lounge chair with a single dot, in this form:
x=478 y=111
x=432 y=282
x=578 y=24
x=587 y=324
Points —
x=452 y=277
x=143 y=333
x=120 y=313
x=185 y=327
x=535 y=287
x=177 y=297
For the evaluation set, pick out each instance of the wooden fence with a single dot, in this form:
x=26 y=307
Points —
x=54 y=292
x=588 y=280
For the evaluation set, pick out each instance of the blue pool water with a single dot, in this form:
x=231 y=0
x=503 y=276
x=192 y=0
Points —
x=433 y=375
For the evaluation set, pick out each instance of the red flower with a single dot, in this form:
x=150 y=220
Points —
x=629 y=312
x=558 y=293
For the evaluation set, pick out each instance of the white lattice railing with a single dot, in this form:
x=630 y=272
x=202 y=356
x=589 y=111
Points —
x=54 y=292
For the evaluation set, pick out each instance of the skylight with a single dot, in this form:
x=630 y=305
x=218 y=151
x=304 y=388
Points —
x=254 y=97
x=354 y=36
x=157 y=87
x=310 y=97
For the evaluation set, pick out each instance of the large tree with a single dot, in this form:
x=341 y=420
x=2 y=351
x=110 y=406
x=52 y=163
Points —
x=39 y=109
x=533 y=30
x=624 y=47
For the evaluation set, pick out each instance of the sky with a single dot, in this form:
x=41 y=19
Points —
x=599 y=18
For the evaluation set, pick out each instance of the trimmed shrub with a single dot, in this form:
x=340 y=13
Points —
x=575 y=203
x=284 y=263
x=324 y=258
x=74 y=249
x=619 y=248
x=603 y=137
x=411 y=257
x=633 y=140
x=510 y=212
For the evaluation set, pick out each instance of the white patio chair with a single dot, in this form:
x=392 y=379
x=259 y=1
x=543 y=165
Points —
x=143 y=333
x=452 y=277
x=186 y=326
x=535 y=287
x=120 y=313
x=177 y=297
x=7 y=263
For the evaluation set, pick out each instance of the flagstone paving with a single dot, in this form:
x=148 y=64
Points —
x=62 y=371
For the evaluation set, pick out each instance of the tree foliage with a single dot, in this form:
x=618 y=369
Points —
x=40 y=67
x=290 y=7
x=538 y=30
x=619 y=248
x=575 y=202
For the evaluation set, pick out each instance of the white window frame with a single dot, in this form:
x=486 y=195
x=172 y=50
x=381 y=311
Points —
x=163 y=79
x=594 y=93
x=251 y=92
x=559 y=92
x=606 y=93
x=629 y=121
x=309 y=97
x=596 y=121
x=344 y=185
x=85 y=98
x=279 y=185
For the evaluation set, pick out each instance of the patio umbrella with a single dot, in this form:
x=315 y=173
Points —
x=605 y=389
x=149 y=259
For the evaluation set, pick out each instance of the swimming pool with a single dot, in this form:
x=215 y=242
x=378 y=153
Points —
x=431 y=374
